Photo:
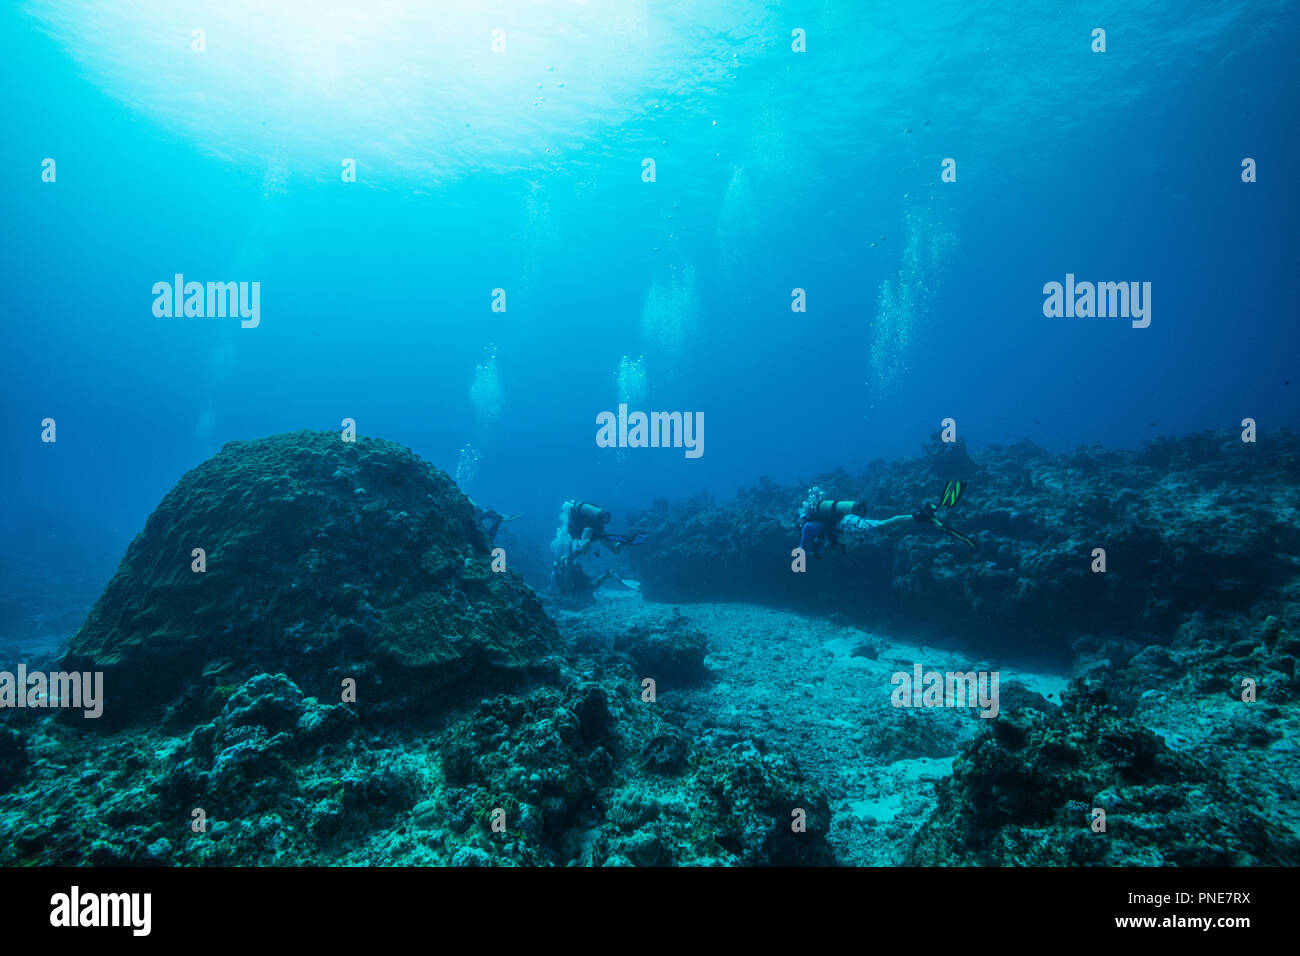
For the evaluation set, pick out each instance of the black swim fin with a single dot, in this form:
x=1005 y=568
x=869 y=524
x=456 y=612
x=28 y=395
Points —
x=927 y=515
x=956 y=534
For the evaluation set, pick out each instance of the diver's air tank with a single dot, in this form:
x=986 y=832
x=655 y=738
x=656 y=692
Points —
x=587 y=515
x=835 y=510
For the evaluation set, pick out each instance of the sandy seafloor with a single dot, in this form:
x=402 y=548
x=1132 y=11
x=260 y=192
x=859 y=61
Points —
x=795 y=683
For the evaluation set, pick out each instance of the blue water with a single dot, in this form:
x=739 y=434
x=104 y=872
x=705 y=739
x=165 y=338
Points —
x=522 y=170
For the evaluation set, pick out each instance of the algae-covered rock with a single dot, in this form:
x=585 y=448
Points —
x=592 y=775
x=752 y=806
x=672 y=652
x=13 y=757
x=1197 y=524
x=1025 y=792
x=321 y=559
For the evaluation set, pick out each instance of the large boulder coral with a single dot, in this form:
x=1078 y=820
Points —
x=324 y=560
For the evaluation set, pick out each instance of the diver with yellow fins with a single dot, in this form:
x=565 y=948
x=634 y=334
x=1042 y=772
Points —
x=827 y=522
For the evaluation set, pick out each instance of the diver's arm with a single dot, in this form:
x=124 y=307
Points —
x=582 y=544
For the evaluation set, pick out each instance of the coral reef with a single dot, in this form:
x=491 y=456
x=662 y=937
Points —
x=671 y=651
x=483 y=733
x=1025 y=791
x=595 y=776
x=1203 y=524
x=325 y=560
x=13 y=757
x=477 y=737
x=588 y=774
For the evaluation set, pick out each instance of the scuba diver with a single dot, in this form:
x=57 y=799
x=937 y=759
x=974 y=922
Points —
x=582 y=528
x=571 y=581
x=491 y=521
x=825 y=522
x=584 y=523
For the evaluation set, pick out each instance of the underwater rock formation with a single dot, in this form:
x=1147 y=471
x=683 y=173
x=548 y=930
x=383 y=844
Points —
x=478 y=737
x=481 y=737
x=1198 y=524
x=1025 y=791
x=595 y=776
x=582 y=773
x=324 y=560
x=670 y=651
x=1208 y=656
x=13 y=757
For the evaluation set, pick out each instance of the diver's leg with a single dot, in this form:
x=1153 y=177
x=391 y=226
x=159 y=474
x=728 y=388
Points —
x=890 y=525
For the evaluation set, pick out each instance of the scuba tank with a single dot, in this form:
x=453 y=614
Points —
x=584 y=515
x=587 y=515
x=832 y=511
